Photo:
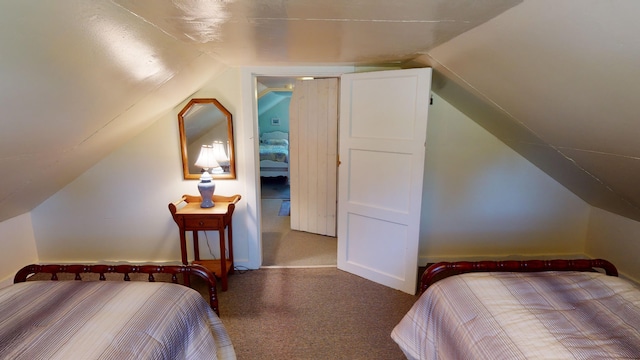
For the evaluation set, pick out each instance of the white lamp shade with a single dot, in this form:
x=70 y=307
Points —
x=220 y=154
x=207 y=159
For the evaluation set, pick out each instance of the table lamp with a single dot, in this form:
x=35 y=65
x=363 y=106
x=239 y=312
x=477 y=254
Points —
x=206 y=186
x=221 y=155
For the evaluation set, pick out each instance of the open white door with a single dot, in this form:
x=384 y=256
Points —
x=383 y=130
x=313 y=139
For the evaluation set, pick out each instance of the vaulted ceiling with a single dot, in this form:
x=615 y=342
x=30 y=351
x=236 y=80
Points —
x=554 y=79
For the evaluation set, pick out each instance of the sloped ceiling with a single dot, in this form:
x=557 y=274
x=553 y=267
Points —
x=554 y=80
x=270 y=99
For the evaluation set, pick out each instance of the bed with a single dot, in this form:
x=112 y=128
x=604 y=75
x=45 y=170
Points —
x=274 y=154
x=111 y=319
x=537 y=309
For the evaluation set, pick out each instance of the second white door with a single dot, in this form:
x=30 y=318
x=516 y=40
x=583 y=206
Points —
x=313 y=136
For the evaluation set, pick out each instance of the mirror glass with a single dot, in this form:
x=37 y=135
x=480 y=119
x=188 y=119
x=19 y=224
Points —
x=206 y=122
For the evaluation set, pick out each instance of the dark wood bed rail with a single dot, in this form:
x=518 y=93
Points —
x=442 y=270
x=174 y=270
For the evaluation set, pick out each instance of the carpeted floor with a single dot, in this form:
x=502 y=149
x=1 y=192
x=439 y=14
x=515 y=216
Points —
x=275 y=187
x=307 y=313
x=282 y=246
x=319 y=313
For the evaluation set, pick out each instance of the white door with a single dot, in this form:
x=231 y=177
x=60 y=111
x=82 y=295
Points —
x=383 y=130
x=313 y=136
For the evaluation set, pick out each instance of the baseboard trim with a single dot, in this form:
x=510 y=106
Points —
x=296 y=266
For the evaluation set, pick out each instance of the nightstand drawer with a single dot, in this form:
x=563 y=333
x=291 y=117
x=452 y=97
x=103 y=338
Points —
x=198 y=223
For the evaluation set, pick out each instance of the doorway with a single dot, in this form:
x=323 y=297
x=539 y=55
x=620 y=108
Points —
x=282 y=246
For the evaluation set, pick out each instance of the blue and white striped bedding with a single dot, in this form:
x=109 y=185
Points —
x=546 y=315
x=108 y=320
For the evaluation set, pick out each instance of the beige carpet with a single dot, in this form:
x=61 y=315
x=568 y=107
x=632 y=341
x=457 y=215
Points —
x=282 y=246
x=319 y=313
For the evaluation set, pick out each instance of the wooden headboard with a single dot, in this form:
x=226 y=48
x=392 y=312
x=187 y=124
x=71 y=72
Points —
x=442 y=270
x=78 y=269
x=274 y=135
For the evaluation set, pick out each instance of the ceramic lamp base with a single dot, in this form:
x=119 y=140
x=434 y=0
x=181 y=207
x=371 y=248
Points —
x=206 y=188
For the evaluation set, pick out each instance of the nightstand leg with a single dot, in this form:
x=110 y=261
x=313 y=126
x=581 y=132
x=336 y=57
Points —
x=183 y=247
x=183 y=253
x=230 y=232
x=223 y=261
x=196 y=246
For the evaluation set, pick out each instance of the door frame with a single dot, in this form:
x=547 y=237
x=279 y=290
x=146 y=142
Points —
x=249 y=132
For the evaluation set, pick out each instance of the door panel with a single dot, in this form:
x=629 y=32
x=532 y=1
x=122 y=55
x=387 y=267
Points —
x=313 y=126
x=380 y=170
x=383 y=128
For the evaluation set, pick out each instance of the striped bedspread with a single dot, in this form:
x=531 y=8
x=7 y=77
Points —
x=550 y=315
x=108 y=320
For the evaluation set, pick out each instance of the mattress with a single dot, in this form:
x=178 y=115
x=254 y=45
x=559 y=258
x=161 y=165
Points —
x=274 y=150
x=108 y=320
x=277 y=153
x=544 y=315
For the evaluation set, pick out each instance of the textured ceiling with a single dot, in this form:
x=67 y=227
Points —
x=560 y=78
x=554 y=80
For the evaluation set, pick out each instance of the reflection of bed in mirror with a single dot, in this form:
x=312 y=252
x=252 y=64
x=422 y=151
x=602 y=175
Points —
x=274 y=154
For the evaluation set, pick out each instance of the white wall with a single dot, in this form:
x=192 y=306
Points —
x=117 y=210
x=18 y=247
x=482 y=200
x=615 y=238
x=277 y=111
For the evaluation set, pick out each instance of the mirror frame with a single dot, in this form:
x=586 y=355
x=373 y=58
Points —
x=183 y=140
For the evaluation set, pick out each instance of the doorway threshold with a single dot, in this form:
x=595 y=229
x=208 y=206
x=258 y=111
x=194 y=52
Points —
x=296 y=266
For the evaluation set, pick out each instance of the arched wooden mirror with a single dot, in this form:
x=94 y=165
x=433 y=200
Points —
x=206 y=122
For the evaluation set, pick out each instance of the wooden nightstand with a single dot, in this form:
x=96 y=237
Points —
x=191 y=217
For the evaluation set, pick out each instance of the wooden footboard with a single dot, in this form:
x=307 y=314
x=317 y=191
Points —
x=442 y=270
x=174 y=270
